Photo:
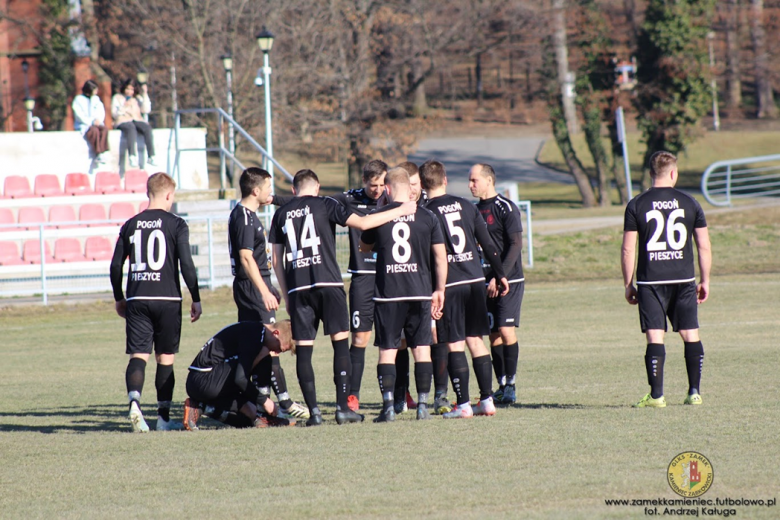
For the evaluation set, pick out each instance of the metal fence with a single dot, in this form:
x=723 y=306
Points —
x=208 y=242
x=725 y=181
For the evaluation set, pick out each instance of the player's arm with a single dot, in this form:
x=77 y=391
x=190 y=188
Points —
x=378 y=218
x=278 y=200
x=188 y=271
x=491 y=253
x=439 y=253
x=627 y=257
x=277 y=259
x=117 y=265
x=253 y=272
x=702 y=237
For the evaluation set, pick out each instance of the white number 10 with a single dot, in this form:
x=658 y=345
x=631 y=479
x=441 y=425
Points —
x=155 y=262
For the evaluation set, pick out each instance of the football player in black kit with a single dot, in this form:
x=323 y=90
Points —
x=304 y=258
x=156 y=242
x=465 y=319
x=666 y=221
x=404 y=297
x=219 y=383
x=506 y=228
x=256 y=298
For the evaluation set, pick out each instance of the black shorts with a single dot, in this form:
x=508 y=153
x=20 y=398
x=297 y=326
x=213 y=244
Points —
x=361 y=303
x=216 y=388
x=250 y=302
x=504 y=311
x=675 y=301
x=310 y=306
x=153 y=322
x=465 y=313
x=413 y=318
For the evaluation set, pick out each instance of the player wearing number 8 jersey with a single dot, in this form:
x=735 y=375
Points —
x=156 y=242
x=304 y=258
x=666 y=221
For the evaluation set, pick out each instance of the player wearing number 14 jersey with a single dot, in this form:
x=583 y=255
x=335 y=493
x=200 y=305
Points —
x=304 y=258
x=156 y=242
x=666 y=221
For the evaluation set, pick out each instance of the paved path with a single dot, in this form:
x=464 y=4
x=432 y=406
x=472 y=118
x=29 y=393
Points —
x=512 y=158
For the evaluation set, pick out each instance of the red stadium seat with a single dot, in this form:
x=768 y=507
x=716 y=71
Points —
x=90 y=212
x=108 y=182
x=142 y=206
x=135 y=181
x=31 y=215
x=48 y=185
x=121 y=211
x=9 y=253
x=68 y=250
x=63 y=214
x=6 y=217
x=98 y=248
x=16 y=187
x=31 y=252
x=78 y=184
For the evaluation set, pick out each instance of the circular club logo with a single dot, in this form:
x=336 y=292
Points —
x=690 y=474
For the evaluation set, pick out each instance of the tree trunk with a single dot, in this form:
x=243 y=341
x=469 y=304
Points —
x=478 y=76
x=592 y=127
x=561 y=133
x=629 y=6
x=733 y=80
x=419 y=99
x=764 y=95
x=562 y=61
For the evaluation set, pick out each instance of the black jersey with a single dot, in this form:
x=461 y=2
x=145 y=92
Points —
x=403 y=249
x=306 y=226
x=242 y=340
x=664 y=219
x=245 y=231
x=460 y=222
x=503 y=220
x=358 y=202
x=156 y=242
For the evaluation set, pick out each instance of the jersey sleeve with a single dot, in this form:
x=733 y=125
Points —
x=275 y=234
x=117 y=264
x=701 y=221
x=513 y=223
x=280 y=200
x=337 y=212
x=629 y=220
x=245 y=231
x=188 y=271
x=437 y=236
x=368 y=236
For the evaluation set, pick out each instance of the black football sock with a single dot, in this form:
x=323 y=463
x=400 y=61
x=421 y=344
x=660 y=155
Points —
x=511 y=353
x=694 y=361
x=654 y=364
x=459 y=373
x=484 y=376
x=305 y=371
x=386 y=375
x=402 y=374
x=498 y=363
x=279 y=383
x=440 y=375
x=342 y=371
x=164 y=382
x=358 y=357
x=238 y=420
x=134 y=378
x=423 y=376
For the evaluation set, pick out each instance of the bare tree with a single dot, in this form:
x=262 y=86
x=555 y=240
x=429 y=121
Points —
x=733 y=76
x=562 y=61
x=764 y=94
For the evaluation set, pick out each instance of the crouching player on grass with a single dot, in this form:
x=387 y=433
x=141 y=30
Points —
x=220 y=384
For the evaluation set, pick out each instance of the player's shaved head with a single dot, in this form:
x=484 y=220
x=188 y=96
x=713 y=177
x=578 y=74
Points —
x=396 y=177
x=661 y=164
x=252 y=178
x=487 y=171
x=159 y=184
x=304 y=179
x=432 y=174
x=410 y=167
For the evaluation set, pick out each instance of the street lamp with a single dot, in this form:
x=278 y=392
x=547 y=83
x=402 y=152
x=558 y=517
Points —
x=29 y=105
x=227 y=64
x=265 y=40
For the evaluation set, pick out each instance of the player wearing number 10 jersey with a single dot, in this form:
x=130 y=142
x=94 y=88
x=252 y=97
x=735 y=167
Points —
x=156 y=242
x=304 y=258
x=665 y=221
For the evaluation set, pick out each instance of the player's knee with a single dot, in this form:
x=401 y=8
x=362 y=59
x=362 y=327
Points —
x=690 y=335
x=360 y=339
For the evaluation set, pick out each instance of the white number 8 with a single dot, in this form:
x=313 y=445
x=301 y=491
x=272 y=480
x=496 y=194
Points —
x=402 y=249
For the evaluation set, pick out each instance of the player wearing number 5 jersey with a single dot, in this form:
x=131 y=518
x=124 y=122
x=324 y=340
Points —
x=666 y=221
x=156 y=242
x=304 y=258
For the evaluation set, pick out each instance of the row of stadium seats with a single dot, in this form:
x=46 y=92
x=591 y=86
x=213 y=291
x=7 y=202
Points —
x=65 y=250
x=48 y=185
x=33 y=215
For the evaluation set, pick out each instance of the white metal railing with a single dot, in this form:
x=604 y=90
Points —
x=724 y=181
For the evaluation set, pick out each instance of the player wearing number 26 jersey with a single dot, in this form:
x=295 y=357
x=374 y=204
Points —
x=666 y=222
x=156 y=242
